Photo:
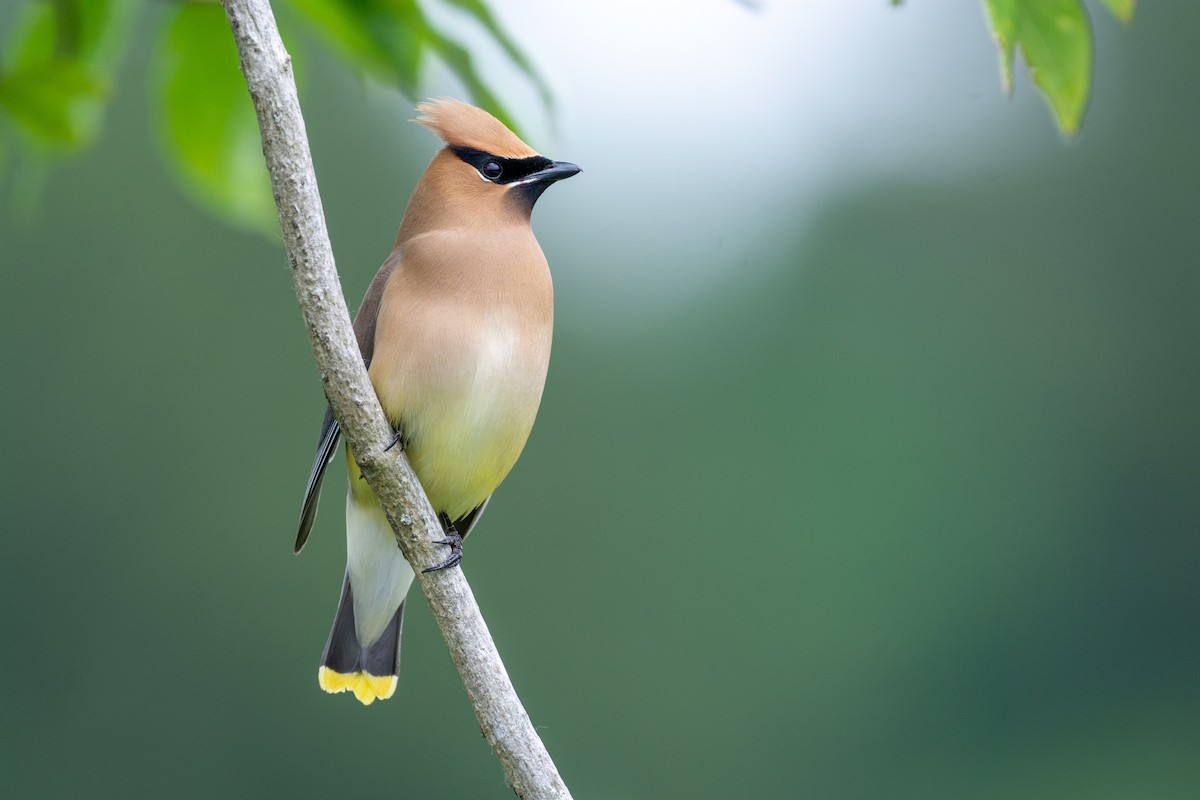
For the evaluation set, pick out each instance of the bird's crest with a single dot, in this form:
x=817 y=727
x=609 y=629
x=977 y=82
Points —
x=460 y=124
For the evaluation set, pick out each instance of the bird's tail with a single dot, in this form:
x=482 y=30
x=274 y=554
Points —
x=370 y=672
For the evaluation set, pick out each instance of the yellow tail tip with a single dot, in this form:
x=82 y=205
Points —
x=367 y=688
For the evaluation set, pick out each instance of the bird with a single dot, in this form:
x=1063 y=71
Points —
x=455 y=331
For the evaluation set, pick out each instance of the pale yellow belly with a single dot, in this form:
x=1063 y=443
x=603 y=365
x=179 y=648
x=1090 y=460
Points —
x=466 y=411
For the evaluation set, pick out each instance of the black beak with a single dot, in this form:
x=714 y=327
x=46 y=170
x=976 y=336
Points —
x=530 y=187
x=555 y=172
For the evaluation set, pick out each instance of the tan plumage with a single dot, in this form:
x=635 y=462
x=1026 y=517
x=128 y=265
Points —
x=462 y=347
x=462 y=125
x=456 y=330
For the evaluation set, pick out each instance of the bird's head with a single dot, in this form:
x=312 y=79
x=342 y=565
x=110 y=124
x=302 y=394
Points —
x=484 y=166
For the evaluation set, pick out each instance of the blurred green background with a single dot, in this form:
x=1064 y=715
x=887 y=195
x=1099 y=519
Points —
x=868 y=466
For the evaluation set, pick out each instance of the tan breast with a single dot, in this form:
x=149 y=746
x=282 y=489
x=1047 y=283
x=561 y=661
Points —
x=462 y=344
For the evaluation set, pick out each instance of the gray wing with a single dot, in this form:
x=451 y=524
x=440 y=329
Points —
x=331 y=432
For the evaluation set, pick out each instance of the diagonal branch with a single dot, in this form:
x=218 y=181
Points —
x=503 y=720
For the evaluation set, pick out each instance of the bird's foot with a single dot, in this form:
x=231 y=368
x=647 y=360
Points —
x=454 y=542
x=398 y=439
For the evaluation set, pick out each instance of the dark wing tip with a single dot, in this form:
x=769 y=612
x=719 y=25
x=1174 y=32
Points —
x=307 y=517
x=331 y=431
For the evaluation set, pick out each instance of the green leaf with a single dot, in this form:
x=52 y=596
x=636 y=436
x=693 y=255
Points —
x=57 y=75
x=382 y=38
x=33 y=37
x=386 y=39
x=484 y=17
x=51 y=101
x=92 y=32
x=1055 y=39
x=102 y=31
x=207 y=121
x=1002 y=18
x=1122 y=8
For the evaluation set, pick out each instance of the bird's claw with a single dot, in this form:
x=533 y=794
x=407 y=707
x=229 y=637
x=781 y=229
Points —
x=398 y=439
x=454 y=542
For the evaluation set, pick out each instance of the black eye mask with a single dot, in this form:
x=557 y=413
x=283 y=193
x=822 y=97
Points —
x=502 y=170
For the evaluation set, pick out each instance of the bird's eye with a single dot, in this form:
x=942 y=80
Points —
x=492 y=170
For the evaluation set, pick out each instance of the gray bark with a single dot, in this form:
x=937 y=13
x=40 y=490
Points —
x=502 y=718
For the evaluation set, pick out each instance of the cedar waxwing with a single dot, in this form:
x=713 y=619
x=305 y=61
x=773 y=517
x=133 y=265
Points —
x=455 y=332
